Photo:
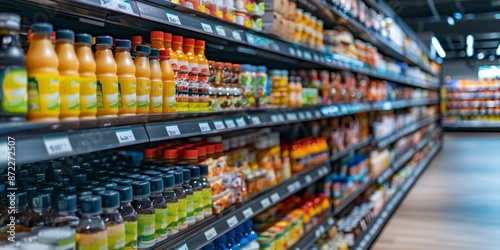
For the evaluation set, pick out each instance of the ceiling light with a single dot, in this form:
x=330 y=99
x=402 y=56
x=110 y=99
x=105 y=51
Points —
x=498 y=50
x=470 y=45
x=457 y=15
x=437 y=46
x=480 y=56
x=470 y=40
x=450 y=21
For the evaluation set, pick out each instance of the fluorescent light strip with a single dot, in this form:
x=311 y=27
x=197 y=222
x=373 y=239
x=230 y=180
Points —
x=437 y=46
x=498 y=50
x=470 y=45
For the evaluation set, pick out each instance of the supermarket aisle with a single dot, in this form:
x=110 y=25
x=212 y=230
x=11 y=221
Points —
x=456 y=202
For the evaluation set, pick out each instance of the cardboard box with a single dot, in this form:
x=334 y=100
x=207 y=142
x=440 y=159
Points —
x=272 y=23
x=291 y=30
x=284 y=8
x=292 y=7
x=274 y=5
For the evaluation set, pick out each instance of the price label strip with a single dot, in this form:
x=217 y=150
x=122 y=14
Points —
x=57 y=145
x=230 y=123
x=173 y=18
x=210 y=233
x=265 y=202
x=255 y=120
x=125 y=135
x=231 y=222
x=275 y=197
x=204 y=126
x=220 y=30
x=219 y=125
x=248 y=213
x=241 y=122
x=236 y=35
x=207 y=27
x=173 y=130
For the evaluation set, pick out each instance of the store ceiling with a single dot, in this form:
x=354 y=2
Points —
x=452 y=20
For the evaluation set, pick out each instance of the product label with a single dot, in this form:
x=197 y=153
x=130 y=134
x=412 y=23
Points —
x=172 y=216
x=247 y=90
x=92 y=241
x=116 y=236
x=88 y=99
x=182 y=211
x=131 y=234
x=182 y=102
x=204 y=103
x=190 y=206
x=127 y=89
x=43 y=94
x=203 y=76
x=174 y=64
x=156 y=96
x=193 y=99
x=182 y=77
x=207 y=200
x=70 y=95
x=14 y=93
x=169 y=96
x=63 y=244
x=198 y=202
x=107 y=94
x=193 y=77
x=143 y=94
x=161 y=215
x=145 y=229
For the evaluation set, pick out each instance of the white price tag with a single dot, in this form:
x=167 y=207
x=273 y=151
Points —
x=316 y=57
x=241 y=122
x=317 y=114
x=275 y=197
x=291 y=51
x=309 y=115
x=173 y=18
x=330 y=221
x=281 y=118
x=207 y=27
x=219 y=125
x=250 y=39
x=125 y=135
x=255 y=120
x=291 y=116
x=231 y=222
x=173 y=130
x=210 y=233
x=274 y=118
x=204 y=127
x=299 y=52
x=57 y=145
x=183 y=247
x=291 y=187
x=308 y=178
x=265 y=202
x=307 y=55
x=317 y=233
x=220 y=30
x=236 y=35
x=230 y=123
x=248 y=213
x=301 y=116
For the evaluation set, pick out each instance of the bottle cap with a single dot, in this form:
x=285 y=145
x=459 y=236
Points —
x=261 y=69
x=21 y=199
x=179 y=177
x=104 y=40
x=177 y=39
x=156 y=35
x=123 y=43
x=219 y=64
x=186 y=174
x=190 y=153
x=236 y=66
x=155 y=53
x=110 y=199
x=78 y=179
x=82 y=193
x=141 y=188
x=143 y=48
x=203 y=169
x=188 y=42
x=228 y=65
x=46 y=190
x=149 y=152
x=122 y=182
x=202 y=150
x=65 y=35
x=165 y=54
x=167 y=37
x=42 y=28
x=125 y=193
x=40 y=201
x=164 y=169
x=156 y=184
x=65 y=203
x=231 y=234
x=195 y=172
x=108 y=185
x=246 y=67
x=10 y=21
x=151 y=173
x=199 y=43
x=90 y=204
x=136 y=39
x=170 y=153
x=97 y=190
x=168 y=180
x=240 y=229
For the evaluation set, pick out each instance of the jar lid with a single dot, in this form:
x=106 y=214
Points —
x=219 y=64
x=65 y=203
x=143 y=48
x=156 y=184
x=43 y=28
x=141 y=188
x=210 y=148
x=165 y=54
x=186 y=174
x=168 y=180
x=246 y=67
x=203 y=169
x=90 y=204
x=219 y=147
x=65 y=34
x=189 y=153
x=125 y=193
x=40 y=201
x=188 y=42
x=10 y=21
x=154 y=53
x=104 y=40
x=202 y=150
x=228 y=65
x=179 y=177
x=110 y=199
x=261 y=69
x=195 y=172
x=170 y=153
x=157 y=35
x=199 y=43
x=123 y=43
x=136 y=39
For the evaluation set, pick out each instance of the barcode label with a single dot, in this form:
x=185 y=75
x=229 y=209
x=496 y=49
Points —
x=173 y=18
x=220 y=30
x=204 y=127
x=173 y=130
x=219 y=125
x=125 y=135
x=231 y=222
x=57 y=145
x=207 y=27
x=210 y=233
x=248 y=213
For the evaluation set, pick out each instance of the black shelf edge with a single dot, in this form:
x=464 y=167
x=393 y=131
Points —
x=363 y=143
x=350 y=198
x=386 y=141
x=389 y=105
x=373 y=230
x=308 y=239
x=199 y=236
x=472 y=97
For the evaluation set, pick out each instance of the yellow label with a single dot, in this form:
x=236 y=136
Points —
x=116 y=236
x=207 y=200
x=182 y=106
x=127 y=89
x=143 y=95
x=198 y=202
x=92 y=241
x=107 y=95
x=169 y=96
x=156 y=101
x=146 y=229
x=14 y=90
x=69 y=87
x=172 y=217
x=182 y=211
x=130 y=234
x=161 y=215
x=88 y=99
x=43 y=94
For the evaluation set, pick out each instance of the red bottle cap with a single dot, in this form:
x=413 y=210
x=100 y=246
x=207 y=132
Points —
x=228 y=65
x=177 y=39
x=202 y=150
x=136 y=39
x=165 y=54
x=149 y=152
x=190 y=153
x=219 y=146
x=199 y=43
x=167 y=37
x=219 y=64
x=210 y=148
x=188 y=42
x=156 y=35
x=170 y=153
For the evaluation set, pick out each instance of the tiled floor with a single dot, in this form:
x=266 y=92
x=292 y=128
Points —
x=456 y=202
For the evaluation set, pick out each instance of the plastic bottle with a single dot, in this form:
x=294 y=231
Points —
x=168 y=79
x=167 y=42
x=203 y=75
x=57 y=238
x=107 y=79
x=261 y=85
x=43 y=76
x=157 y=40
x=40 y=214
x=230 y=242
x=127 y=82
x=160 y=206
x=182 y=198
x=64 y=212
x=136 y=41
x=115 y=227
x=91 y=231
x=69 y=79
x=240 y=237
x=156 y=101
x=86 y=70
x=206 y=191
x=220 y=243
x=143 y=76
x=235 y=86
x=251 y=236
x=14 y=81
x=182 y=100
x=129 y=216
x=199 y=213
x=209 y=246
x=145 y=214
x=247 y=86
x=193 y=70
x=188 y=188
x=172 y=203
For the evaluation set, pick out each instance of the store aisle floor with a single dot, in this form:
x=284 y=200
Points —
x=456 y=202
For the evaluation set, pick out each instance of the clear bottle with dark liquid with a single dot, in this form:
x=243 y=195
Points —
x=145 y=214
x=197 y=193
x=40 y=213
x=188 y=188
x=65 y=212
x=182 y=199
x=91 y=231
x=172 y=203
x=160 y=206
x=115 y=227
x=129 y=216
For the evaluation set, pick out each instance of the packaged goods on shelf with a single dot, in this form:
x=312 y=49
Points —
x=387 y=122
x=344 y=132
x=348 y=174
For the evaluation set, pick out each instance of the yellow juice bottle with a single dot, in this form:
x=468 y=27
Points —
x=107 y=79
x=143 y=75
x=167 y=42
x=168 y=78
x=203 y=85
x=156 y=100
x=126 y=78
x=182 y=99
x=86 y=70
x=43 y=76
x=193 y=86
x=69 y=78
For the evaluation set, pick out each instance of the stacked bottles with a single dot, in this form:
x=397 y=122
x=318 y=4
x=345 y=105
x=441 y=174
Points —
x=242 y=237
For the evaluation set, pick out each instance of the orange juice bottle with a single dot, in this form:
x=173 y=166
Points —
x=69 y=78
x=143 y=75
x=156 y=100
x=107 y=79
x=43 y=76
x=199 y=50
x=86 y=70
x=193 y=85
x=168 y=78
x=157 y=40
x=126 y=78
x=167 y=41
x=182 y=104
x=136 y=40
